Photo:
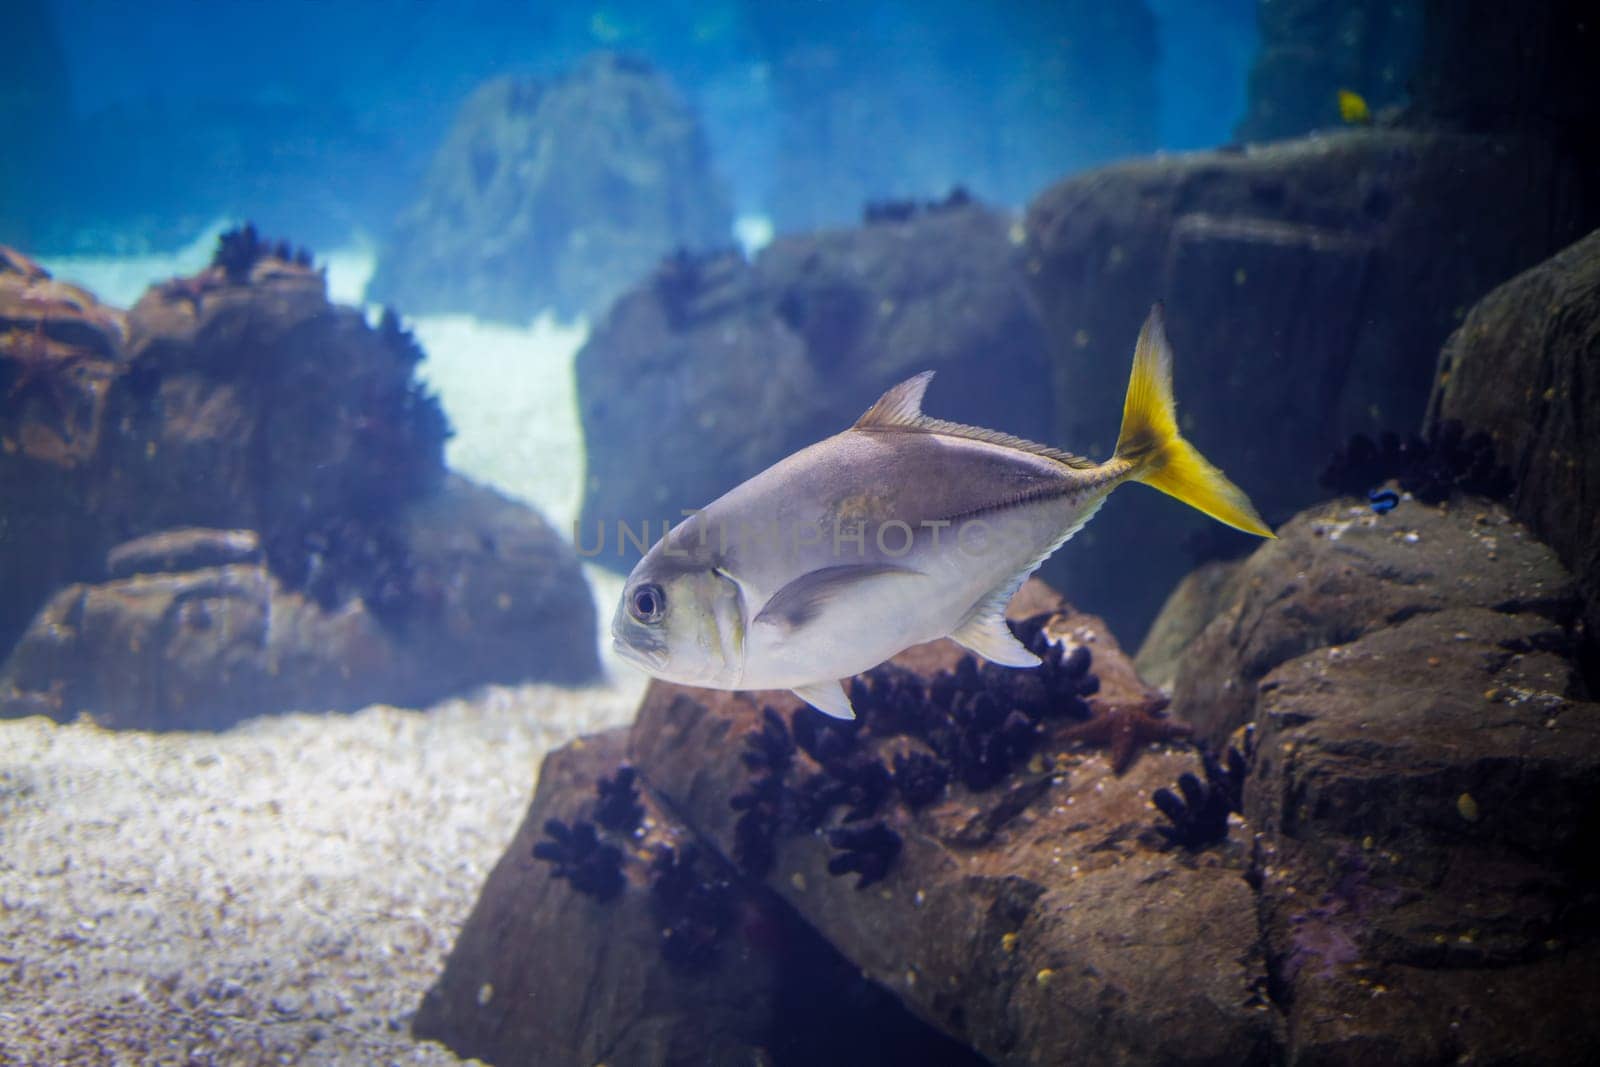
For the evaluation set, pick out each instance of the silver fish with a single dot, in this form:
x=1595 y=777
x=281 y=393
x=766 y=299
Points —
x=901 y=529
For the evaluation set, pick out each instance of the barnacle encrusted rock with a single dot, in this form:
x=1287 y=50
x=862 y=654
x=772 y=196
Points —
x=192 y=628
x=1339 y=571
x=1392 y=664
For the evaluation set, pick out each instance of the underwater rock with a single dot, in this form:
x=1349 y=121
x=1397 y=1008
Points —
x=242 y=400
x=60 y=352
x=1189 y=608
x=1525 y=368
x=197 y=632
x=716 y=368
x=541 y=974
x=1308 y=287
x=1424 y=784
x=555 y=195
x=1340 y=571
x=679 y=962
x=1041 y=914
x=1426 y=799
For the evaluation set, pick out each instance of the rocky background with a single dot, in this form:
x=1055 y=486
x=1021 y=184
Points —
x=231 y=500
x=555 y=196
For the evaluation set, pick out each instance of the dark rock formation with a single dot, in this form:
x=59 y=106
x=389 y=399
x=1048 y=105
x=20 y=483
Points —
x=1425 y=780
x=1525 y=368
x=1491 y=67
x=675 y=962
x=243 y=401
x=1308 y=286
x=555 y=195
x=1340 y=571
x=1311 y=49
x=715 y=368
x=543 y=974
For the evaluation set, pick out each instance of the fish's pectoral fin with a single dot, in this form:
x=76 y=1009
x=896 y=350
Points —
x=804 y=598
x=900 y=406
x=988 y=635
x=827 y=697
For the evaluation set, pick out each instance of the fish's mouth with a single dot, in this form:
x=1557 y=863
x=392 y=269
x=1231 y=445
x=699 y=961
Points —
x=650 y=659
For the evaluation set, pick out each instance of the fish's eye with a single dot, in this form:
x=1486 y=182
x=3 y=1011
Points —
x=648 y=603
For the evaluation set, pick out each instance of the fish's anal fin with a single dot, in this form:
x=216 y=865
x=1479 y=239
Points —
x=986 y=633
x=827 y=697
x=900 y=406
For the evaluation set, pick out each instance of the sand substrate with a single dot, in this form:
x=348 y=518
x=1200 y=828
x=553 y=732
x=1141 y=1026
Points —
x=283 y=892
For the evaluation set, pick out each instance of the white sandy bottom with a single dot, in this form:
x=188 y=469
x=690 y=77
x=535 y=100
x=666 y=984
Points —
x=282 y=892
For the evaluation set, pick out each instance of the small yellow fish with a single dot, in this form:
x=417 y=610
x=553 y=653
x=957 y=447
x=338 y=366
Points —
x=1353 y=108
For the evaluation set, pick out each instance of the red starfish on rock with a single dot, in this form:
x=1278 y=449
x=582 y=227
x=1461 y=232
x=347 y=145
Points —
x=1127 y=728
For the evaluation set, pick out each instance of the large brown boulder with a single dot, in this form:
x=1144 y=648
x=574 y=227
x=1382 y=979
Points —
x=592 y=967
x=1525 y=368
x=61 y=351
x=1308 y=286
x=556 y=195
x=193 y=630
x=717 y=368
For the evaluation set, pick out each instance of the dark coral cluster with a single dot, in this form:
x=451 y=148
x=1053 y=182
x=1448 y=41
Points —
x=1199 y=817
x=397 y=432
x=693 y=905
x=239 y=250
x=693 y=896
x=617 y=806
x=580 y=855
x=769 y=752
x=975 y=725
x=338 y=558
x=867 y=851
x=1431 y=469
x=883 y=211
x=593 y=866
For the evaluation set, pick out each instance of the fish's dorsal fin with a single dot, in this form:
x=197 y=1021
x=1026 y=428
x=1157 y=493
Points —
x=827 y=697
x=901 y=409
x=900 y=406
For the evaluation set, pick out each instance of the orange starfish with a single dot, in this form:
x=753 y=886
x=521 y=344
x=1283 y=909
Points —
x=1127 y=728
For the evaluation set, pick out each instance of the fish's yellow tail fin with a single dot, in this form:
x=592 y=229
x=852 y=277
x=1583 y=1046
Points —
x=1160 y=456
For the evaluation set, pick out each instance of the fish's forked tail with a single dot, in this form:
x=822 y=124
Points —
x=1161 y=458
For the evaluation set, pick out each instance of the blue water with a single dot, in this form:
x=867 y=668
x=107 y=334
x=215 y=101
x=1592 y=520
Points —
x=318 y=119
